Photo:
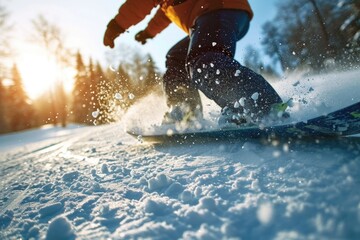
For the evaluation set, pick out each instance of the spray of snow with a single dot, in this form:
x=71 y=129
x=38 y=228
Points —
x=312 y=96
x=146 y=112
x=146 y=116
x=307 y=97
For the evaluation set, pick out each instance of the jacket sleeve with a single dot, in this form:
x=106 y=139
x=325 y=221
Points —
x=133 y=11
x=158 y=23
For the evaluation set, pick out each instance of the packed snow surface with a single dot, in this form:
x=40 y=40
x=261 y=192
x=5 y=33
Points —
x=100 y=183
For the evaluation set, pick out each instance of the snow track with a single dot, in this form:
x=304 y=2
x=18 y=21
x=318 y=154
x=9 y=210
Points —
x=99 y=183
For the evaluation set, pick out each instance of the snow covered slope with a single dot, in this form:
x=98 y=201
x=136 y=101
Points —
x=99 y=183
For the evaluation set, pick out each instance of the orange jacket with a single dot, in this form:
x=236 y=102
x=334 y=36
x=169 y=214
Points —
x=183 y=15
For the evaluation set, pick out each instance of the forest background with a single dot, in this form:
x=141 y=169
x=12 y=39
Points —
x=307 y=36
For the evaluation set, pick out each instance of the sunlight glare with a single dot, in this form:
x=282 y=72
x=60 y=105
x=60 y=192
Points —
x=39 y=73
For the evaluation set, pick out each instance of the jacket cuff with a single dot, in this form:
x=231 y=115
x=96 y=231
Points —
x=115 y=26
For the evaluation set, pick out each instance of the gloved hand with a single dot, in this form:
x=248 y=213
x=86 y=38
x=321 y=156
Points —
x=142 y=37
x=113 y=30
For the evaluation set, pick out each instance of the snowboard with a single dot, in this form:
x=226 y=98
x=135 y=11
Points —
x=343 y=122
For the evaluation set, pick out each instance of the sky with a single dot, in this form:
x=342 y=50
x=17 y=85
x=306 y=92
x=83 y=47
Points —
x=83 y=23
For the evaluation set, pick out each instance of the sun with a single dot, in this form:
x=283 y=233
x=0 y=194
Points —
x=40 y=72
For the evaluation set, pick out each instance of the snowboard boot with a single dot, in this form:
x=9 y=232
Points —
x=278 y=111
x=240 y=117
x=234 y=117
x=182 y=113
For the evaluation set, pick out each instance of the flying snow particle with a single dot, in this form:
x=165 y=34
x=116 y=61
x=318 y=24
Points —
x=214 y=44
x=112 y=68
x=131 y=96
x=199 y=70
x=276 y=154
x=141 y=78
x=286 y=148
x=169 y=132
x=217 y=81
x=242 y=101
x=96 y=113
x=217 y=72
x=237 y=104
x=212 y=65
x=237 y=73
x=118 y=96
x=255 y=96
x=291 y=102
x=296 y=84
x=293 y=53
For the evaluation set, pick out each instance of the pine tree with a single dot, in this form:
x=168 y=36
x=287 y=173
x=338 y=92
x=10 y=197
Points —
x=273 y=45
x=93 y=109
x=60 y=103
x=3 y=124
x=81 y=91
x=5 y=53
x=122 y=88
x=152 y=75
x=253 y=61
x=138 y=75
x=50 y=37
x=312 y=33
x=5 y=29
x=20 y=111
x=349 y=10
x=104 y=97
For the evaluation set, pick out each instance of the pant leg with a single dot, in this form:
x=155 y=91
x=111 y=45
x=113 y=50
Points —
x=213 y=69
x=177 y=84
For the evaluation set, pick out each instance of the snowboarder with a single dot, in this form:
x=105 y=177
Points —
x=204 y=60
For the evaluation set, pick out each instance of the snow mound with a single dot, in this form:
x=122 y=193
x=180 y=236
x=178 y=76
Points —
x=60 y=229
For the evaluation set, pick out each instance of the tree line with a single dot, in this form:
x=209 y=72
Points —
x=98 y=97
x=316 y=35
